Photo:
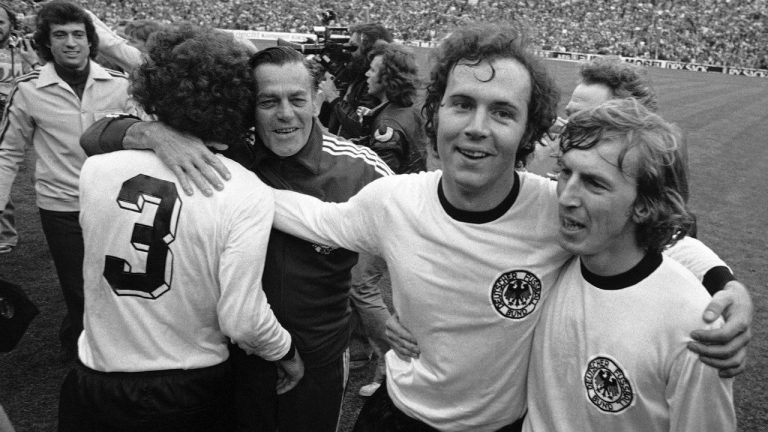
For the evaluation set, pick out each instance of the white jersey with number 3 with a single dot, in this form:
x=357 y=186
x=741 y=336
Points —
x=168 y=277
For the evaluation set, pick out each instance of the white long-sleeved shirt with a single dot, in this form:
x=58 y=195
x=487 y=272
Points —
x=169 y=277
x=469 y=288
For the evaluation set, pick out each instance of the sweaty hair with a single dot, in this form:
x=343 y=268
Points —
x=369 y=34
x=197 y=81
x=626 y=80
x=398 y=73
x=281 y=55
x=659 y=209
x=61 y=13
x=480 y=43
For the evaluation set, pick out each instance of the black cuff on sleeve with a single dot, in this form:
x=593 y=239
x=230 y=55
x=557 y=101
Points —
x=291 y=352
x=106 y=135
x=113 y=135
x=716 y=278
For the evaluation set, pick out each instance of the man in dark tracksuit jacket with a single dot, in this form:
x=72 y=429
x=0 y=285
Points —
x=307 y=284
x=397 y=136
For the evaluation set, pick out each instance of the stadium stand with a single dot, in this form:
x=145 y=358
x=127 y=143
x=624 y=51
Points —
x=713 y=32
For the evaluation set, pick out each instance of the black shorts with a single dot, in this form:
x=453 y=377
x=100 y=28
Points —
x=170 y=400
x=379 y=414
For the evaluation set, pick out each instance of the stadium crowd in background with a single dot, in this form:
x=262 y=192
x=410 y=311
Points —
x=289 y=152
x=716 y=32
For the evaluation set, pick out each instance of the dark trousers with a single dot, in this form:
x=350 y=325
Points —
x=313 y=405
x=379 y=414
x=65 y=241
x=197 y=400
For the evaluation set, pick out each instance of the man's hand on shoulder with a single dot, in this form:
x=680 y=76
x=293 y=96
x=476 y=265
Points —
x=186 y=155
x=725 y=348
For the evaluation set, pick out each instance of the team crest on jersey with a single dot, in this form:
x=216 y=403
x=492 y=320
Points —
x=516 y=293
x=322 y=249
x=608 y=388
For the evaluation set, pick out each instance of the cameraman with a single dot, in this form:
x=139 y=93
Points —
x=16 y=58
x=344 y=120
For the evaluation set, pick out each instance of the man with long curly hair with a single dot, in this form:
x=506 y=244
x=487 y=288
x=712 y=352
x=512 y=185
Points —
x=169 y=279
x=610 y=350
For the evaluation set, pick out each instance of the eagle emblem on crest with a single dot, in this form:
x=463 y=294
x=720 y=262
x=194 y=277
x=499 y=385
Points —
x=516 y=293
x=607 y=385
x=322 y=249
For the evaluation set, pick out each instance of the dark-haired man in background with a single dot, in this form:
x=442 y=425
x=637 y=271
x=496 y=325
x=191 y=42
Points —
x=49 y=109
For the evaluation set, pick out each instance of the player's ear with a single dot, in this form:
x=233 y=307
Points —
x=317 y=102
x=641 y=211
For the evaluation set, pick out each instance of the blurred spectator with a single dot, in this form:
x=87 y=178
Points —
x=138 y=32
x=16 y=58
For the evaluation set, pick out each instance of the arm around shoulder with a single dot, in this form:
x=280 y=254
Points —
x=696 y=257
x=351 y=225
x=187 y=156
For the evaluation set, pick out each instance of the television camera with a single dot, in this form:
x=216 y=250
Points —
x=330 y=47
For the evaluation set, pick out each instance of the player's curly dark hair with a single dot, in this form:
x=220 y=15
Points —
x=626 y=80
x=398 y=74
x=60 y=13
x=489 y=42
x=659 y=209
x=197 y=80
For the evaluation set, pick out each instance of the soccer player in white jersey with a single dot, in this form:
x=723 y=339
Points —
x=471 y=249
x=169 y=279
x=610 y=352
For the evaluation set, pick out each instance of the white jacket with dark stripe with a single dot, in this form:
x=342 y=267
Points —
x=44 y=111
